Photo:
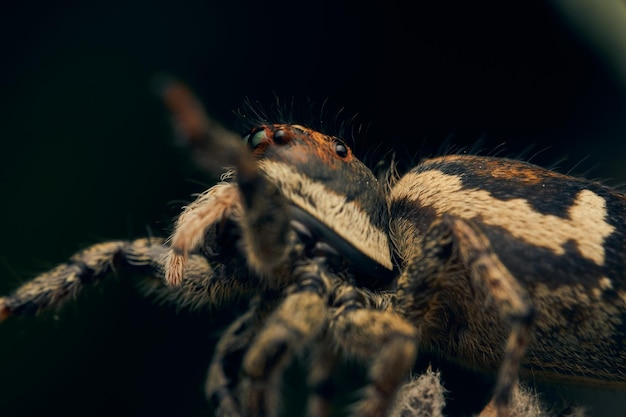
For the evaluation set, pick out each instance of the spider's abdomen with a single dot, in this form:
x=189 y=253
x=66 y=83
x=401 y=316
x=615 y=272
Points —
x=562 y=238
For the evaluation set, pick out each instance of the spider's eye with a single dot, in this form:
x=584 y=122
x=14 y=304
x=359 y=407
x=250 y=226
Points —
x=341 y=149
x=254 y=139
x=280 y=137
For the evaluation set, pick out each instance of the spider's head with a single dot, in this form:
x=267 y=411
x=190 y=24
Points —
x=316 y=187
x=331 y=193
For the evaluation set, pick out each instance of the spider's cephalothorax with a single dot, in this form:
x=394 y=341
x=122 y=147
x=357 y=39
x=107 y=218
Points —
x=496 y=264
x=300 y=226
x=299 y=176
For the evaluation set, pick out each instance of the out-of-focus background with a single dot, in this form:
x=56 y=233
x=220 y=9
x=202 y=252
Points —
x=88 y=153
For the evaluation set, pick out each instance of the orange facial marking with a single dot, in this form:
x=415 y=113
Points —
x=306 y=144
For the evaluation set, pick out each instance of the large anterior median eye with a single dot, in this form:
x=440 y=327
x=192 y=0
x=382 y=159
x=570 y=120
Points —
x=254 y=139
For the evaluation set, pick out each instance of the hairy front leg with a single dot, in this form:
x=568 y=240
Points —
x=259 y=207
x=202 y=283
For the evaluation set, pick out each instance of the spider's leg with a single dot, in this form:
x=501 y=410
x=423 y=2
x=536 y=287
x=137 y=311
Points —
x=201 y=284
x=210 y=142
x=225 y=366
x=456 y=243
x=295 y=324
x=52 y=288
x=265 y=223
x=381 y=337
x=511 y=299
x=417 y=300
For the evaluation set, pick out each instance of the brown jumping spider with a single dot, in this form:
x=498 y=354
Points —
x=495 y=264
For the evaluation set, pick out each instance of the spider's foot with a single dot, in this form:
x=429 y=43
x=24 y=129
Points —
x=5 y=310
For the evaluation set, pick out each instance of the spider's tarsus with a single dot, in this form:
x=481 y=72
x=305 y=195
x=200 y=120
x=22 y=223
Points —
x=5 y=311
x=189 y=115
x=215 y=147
x=174 y=269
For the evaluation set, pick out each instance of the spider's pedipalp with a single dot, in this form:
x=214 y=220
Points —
x=208 y=210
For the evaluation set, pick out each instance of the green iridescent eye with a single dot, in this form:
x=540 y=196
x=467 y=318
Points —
x=254 y=139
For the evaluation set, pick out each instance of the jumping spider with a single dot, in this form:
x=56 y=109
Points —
x=496 y=264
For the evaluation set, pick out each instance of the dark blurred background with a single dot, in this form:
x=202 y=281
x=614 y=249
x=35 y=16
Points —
x=88 y=153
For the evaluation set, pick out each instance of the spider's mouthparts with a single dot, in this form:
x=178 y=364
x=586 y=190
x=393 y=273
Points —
x=323 y=241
